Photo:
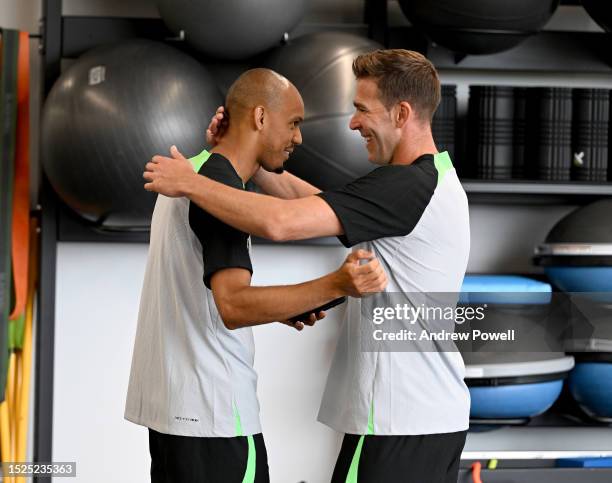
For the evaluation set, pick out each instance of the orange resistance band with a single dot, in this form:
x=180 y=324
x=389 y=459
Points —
x=21 y=194
x=476 y=467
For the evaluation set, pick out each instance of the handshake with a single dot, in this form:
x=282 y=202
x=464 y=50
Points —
x=353 y=279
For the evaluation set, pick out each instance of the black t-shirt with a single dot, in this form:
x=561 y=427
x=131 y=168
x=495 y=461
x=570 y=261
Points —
x=386 y=202
x=222 y=245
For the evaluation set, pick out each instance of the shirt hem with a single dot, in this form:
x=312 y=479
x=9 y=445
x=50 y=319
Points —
x=350 y=429
x=165 y=429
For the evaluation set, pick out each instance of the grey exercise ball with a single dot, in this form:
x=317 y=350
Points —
x=231 y=29
x=320 y=66
x=109 y=113
x=479 y=26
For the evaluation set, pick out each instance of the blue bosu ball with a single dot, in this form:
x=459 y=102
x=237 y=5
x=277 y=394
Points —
x=581 y=279
x=507 y=386
x=514 y=401
x=590 y=384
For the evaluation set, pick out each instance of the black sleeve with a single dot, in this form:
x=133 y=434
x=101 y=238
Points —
x=388 y=201
x=222 y=245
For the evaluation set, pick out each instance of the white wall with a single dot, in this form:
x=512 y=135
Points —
x=97 y=292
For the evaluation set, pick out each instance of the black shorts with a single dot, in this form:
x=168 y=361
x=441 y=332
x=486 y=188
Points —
x=185 y=459
x=428 y=458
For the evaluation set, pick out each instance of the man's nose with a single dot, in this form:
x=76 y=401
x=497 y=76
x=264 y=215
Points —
x=297 y=137
x=354 y=122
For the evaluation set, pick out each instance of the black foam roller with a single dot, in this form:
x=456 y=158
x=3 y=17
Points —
x=443 y=125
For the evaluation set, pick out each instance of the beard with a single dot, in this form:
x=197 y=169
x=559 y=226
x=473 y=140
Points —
x=279 y=170
x=271 y=169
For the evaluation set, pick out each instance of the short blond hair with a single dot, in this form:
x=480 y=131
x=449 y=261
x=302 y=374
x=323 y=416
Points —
x=402 y=75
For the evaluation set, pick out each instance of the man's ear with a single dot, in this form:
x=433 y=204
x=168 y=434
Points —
x=258 y=117
x=404 y=113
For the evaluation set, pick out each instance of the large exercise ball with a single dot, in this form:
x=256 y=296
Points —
x=108 y=113
x=320 y=66
x=479 y=26
x=600 y=11
x=231 y=29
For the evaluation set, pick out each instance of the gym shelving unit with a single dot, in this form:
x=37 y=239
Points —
x=68 y=36
x=64 y=37
x=535 y=192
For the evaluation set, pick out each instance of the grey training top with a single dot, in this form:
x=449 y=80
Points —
x=415 y=219
x=191 y=376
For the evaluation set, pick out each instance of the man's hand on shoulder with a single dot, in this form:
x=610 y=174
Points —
x=217 y=127
x=169 y=176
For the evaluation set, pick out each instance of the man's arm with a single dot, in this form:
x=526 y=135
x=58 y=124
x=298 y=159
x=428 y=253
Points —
x=285 y=185
x=241 y=305
x=261 y=215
